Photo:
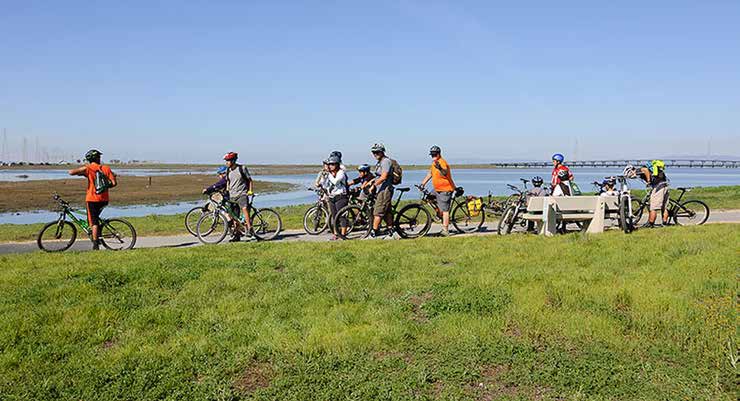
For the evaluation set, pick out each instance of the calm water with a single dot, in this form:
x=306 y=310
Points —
x=478 y=182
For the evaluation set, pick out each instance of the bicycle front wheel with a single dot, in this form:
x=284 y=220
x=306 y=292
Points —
x=508 y=219
x=625 y=217
x=266 y=224
x=191 y=219
x=117 y=234
x=359 y=222
x=691 y=213
x=315 y=220
x=212 y=228
x=413 y=221
x=57 y=236
x=464 y=221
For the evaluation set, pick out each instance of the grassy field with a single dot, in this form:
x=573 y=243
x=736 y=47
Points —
x=717 y=198
x=643 y=317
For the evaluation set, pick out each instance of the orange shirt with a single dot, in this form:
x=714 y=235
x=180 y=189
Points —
x=442 y=183
x=91 y=196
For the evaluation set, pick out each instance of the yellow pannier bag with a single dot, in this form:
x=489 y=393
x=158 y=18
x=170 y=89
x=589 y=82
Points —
x=475 y=205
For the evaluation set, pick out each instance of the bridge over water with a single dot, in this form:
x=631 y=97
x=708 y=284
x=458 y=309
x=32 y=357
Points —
x=688 y=163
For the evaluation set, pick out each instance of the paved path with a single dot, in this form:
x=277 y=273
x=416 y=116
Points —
x=183 y=241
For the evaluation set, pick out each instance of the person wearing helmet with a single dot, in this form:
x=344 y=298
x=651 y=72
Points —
x=220 y=185
x=653 y=173
x=383 y=186
x=336 y=187
x=441 y=176
x=239 y=185
x=608 y=187
x=364 y=180
x=537 y=190
x=561 y=177
x=96 y=196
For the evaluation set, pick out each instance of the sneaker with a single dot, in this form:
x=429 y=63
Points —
x=96 y=246
x=390 y=237
x=445 y=233
x=372 y=236
x=235 y=238
x=648 y=225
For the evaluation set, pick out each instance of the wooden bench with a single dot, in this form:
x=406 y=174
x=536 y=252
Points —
x=550 y=211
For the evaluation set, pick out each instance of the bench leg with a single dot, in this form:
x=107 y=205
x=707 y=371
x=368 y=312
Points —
x=549 y=218
x=596 y=225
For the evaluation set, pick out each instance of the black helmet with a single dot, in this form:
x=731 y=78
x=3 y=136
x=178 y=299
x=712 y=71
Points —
x=337 y=154
x=564 y=175
x=435 y=150
x=364 y=168
x=93 y=155
x=378 y=147
x=333 y=159
x=537 y=180
x=611 y=181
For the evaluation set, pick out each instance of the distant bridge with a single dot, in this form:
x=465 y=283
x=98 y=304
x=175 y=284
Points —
x=688 y=163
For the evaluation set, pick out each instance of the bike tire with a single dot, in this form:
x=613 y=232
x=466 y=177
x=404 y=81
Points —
x=48 y=245
x=191 y=219
x=315 y=220
x=413 y=221
x=359 y=219
x=511 y=200
x=266 y=224
x=691 y=213
x=625 y=217
x=638 y=212
x=464 y=222
x=212 y=228
x=508 y=219
x=117 y=235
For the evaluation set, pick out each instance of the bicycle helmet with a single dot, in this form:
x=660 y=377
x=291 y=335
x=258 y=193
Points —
x=610 y=181
x=629 y=171
x=378 y=147
x=564 y=175
x=222 y=170
x=559 y=157
x=364 y=168
x=333 y=160
x=93 y=155
x=537 y=180
x=231 y=156
x=435 y=150
x=337 y=154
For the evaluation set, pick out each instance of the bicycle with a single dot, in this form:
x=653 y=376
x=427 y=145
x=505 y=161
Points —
x=625 y=217
x=194 y=214
x=58 y=236
x=493 y=207
x=511 y=219
x=359 y=217
x=213 y=227
x=464 y=218
x=691 y=212
x=316 y=219
x=513 y=198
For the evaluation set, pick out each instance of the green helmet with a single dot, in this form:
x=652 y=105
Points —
x=93 y=155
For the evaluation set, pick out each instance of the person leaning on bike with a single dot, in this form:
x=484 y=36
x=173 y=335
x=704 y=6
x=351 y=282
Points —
x=336 y=188
x=96 y=196
x=441 y=177
x=653 y=173
x=363 y=181
x=239 y=186
x=383 y=187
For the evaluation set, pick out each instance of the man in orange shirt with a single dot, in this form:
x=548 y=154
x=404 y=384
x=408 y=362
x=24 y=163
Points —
x=96 y=197
x=441 y=177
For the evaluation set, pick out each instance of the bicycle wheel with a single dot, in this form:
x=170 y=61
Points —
x=266 y=224
x=117 y=234
x=212 y=228
x=691 y=213
x=463 y=221
x=508 y=220
x=413 y=221
x=57 y=236
x=315 y=220
x=625 y=217
x=638 y=212
x=512 y=199
x=191 y=219
x=359 y=219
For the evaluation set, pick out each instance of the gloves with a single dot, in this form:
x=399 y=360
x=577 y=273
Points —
x=250 y=193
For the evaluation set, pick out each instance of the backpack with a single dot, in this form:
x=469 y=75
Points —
x=397 y=172
x=243 y=171
x=101 y=181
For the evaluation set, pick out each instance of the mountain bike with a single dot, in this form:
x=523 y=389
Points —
x=513 y=198
x=213 y=227
x=684 y=213
x=466 y=214
x=359 y=217
x=493 y=207
x=57 y=236
x=511 y=219
x=194 y=214
x=316 y=219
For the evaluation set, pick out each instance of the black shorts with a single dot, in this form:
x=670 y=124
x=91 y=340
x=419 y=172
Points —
x=93 y=212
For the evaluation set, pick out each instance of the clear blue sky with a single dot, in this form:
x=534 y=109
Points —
x=289 y=81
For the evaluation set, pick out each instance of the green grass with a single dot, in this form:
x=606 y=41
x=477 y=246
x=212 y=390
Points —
x=610 y=317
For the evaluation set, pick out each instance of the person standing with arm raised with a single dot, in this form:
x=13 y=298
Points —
x=444 y=186
x=100 y=178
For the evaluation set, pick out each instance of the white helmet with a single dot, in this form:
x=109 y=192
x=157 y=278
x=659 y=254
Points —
x=629 y=171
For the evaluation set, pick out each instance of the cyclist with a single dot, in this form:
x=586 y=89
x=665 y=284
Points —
x=653 y=173
x=608 y=187
x=561 y=177
x=383 y=187
x=363 y=180
x=336 y=189
x=321 y=177
x=239 y=185
x=220 y=185
x=338 y=154
x=538 y=190
x=441 y=177
x=96 y=196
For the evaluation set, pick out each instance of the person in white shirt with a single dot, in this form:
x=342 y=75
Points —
x=336 y=185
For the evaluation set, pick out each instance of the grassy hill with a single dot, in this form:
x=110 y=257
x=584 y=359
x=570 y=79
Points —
x=610 y=317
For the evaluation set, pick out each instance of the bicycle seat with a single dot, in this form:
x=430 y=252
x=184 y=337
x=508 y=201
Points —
x=684 y=189
x=404 y=189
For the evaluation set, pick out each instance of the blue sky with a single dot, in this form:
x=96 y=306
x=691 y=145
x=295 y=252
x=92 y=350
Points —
x=289 y=81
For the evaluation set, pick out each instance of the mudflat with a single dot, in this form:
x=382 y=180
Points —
x=36 y=195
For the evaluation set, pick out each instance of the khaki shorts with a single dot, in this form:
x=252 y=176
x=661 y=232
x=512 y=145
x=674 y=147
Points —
x=659 y=198
x=383 y=202
x=444 y=201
